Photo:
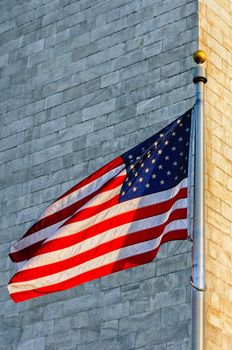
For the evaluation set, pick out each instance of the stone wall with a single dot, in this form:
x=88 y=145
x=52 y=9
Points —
x=215 y=28
x=81 y=82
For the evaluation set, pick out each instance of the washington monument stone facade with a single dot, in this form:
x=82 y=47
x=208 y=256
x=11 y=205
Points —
x=80 y=83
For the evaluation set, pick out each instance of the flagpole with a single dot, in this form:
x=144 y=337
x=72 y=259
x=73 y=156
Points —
x=198 y=252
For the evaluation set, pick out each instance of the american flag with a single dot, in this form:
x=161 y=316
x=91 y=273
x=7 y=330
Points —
x=115 y=219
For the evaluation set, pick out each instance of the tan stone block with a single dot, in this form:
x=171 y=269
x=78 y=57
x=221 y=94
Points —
x=212 y=112
x=226 y=210
x=221 y=287
x=219 y=76
x=228 y=183
x=227 y=326
x=228 y=319
x=225 y=306
x=213 y=57
x=230 y=294
x=212 y=346
x=216 y=33
x=210 y=281
x=215 y=6
x=227 y=124
x=225 y=14
x=214 y=234
x=215 y=129
x=218 y=88
x=218 y=22
x=218 y=221
x=226 y=342
x=206 y=25
x=220 y=191
x=216 y=252
x=202 y=9
x=214 y=300
x=214 y=319
x=207 y=300
x=214 y=334
x=208 y=153
x=212 y=201
x=213 y=140
x=207 y=182
x=213 y=98
x=220 y=161
x=227 y=152
x=227 y=109
x=226 y=42
x=218 y=174
x=215 y=266
x=227 y=243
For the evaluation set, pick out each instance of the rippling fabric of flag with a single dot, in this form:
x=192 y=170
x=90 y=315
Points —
x=115 y=219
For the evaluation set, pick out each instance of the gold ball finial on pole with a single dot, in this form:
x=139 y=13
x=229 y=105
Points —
x=199 y=74
x=199 y=56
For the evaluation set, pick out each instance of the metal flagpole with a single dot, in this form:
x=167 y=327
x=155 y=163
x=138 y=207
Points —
x=198 y=252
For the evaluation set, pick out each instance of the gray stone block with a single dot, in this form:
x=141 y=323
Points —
x=109 y=29
x=104 y=345
x=139 y=322
x=99 y=109
x=79 y=304
x=113 y=15
x=109 y=296
x=169 y=297
x=139 y=305
x=37 y=330
x=130 y=7
x=84 y=51
x=151 y=24
x=99 y=136
x=109 y=312
x=71 y=322
x=127 y=341
x=35 y=344
x=148 y=105
x=140 y=16
x=89 y=335
x=76 y=131
x=175 y=263
x=162 y=334
x=110 y=79
x=177 y=313
x=116 y=38
x=109 y=329
x=105 y=55
x=184 y=344
x=63 y=339
x=183 y=11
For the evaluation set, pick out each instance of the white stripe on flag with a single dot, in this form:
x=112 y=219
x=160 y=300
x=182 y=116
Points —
x=120 y=208
x=47 y=232
x=106 y=236
x=82 y=192
x=103 y=260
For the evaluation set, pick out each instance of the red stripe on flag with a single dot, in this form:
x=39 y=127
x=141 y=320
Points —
x=71 y=209
x=28 y=252
x=123 y=264
x=101 y=249
x=92 y=177
x=140 y=213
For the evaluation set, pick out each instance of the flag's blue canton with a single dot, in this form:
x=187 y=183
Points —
x=160 y=162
